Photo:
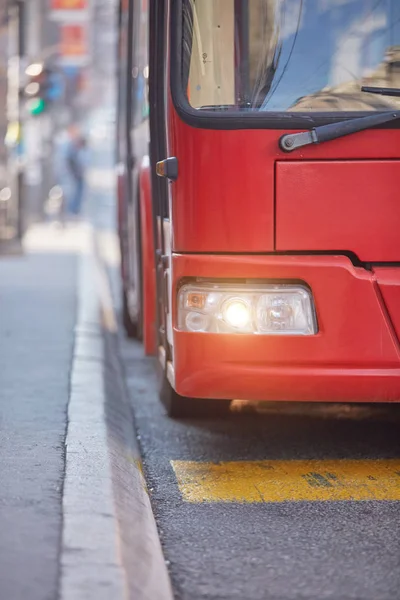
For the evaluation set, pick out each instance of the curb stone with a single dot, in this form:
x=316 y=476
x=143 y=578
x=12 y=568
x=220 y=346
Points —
x=110 y=545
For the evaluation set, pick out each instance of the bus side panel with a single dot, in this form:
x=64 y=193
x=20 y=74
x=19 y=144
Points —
x=148 y=260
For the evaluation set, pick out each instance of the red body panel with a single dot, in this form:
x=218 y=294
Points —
x=148 y=265
x=238 y=195
x=224 y=197
x=222 y=201
x=339 y=205
x=389 y=285
x=354 y=357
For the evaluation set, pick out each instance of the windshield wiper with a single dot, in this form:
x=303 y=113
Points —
x=325 y=133
x=381 y=90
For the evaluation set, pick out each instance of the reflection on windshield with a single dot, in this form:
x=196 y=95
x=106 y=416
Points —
x=291 y=55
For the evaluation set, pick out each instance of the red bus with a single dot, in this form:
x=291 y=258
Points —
x=260 y=227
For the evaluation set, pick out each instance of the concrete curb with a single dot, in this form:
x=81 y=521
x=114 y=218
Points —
x=11 y=248
x=110 y=545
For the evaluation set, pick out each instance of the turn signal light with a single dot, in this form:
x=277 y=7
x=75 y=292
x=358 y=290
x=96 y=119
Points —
x=196 y=300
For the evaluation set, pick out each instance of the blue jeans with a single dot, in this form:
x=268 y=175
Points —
x=77 y=197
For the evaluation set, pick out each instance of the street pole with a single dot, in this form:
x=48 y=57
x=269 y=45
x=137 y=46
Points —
x=14 y=129
x=20 y=174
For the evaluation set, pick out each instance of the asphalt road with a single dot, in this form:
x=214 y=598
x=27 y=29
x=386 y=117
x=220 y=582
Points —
x=311 y=550
x=37 y=317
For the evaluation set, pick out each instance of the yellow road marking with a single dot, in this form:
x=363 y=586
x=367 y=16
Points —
x=283 y=481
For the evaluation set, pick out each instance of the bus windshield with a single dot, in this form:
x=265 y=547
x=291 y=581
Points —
x=290 y=55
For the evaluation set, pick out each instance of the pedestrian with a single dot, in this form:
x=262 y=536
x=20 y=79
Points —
x=76 y=162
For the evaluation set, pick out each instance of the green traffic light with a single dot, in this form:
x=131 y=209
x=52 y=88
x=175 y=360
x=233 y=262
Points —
x=36 y=106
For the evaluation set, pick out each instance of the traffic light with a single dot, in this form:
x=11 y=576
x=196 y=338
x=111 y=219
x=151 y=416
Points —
x=43 y=86
x=36 y=106
x=35 y=89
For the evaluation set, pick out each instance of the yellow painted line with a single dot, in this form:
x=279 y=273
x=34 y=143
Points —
x=283 y=481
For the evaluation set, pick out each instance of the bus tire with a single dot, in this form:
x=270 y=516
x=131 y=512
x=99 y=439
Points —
x=132 y=328
x=182 y=407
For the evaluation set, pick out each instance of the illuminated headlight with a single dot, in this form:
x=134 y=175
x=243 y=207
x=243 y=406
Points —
x=265 y=309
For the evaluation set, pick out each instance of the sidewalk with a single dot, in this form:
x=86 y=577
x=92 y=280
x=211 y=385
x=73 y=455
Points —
x=75 y=517
x=37 y=317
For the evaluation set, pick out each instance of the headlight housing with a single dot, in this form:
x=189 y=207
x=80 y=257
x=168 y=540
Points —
x=263 y=309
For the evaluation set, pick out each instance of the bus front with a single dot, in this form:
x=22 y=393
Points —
x=284 y=276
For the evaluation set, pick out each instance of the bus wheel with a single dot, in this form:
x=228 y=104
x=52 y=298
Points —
x=181 y=407
x=131 y=327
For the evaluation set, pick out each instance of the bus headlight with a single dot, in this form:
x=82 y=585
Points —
x=264 y=309
x=236 y=313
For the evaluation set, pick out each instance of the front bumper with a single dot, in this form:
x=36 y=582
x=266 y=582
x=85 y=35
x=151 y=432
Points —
x=354 y=357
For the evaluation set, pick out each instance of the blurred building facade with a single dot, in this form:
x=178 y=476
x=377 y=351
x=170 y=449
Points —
x=3 y=91
x=57 y=34
x=104 y=43
x=10 y=173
